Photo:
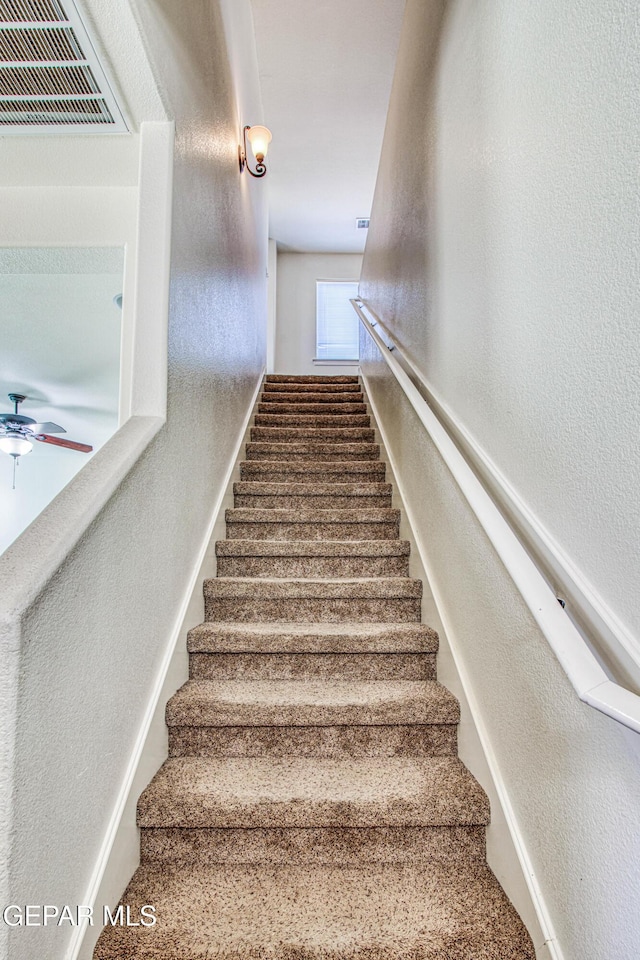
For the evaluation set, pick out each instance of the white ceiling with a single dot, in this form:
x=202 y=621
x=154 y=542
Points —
x=326 y=69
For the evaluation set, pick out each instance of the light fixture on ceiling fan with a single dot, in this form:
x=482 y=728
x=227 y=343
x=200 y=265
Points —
x=17 y=434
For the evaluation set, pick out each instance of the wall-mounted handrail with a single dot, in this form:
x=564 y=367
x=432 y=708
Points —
x=583 y=670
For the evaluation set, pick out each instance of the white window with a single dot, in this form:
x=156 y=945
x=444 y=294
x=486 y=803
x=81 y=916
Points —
x=336 y=320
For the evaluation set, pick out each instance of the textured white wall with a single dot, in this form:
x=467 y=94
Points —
x=504 y=259
x=296 y=307
x=520 y=299
x=93 y=641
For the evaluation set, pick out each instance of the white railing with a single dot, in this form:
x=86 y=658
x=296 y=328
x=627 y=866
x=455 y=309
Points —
x=583 y=670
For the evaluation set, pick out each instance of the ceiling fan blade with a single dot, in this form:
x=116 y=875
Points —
x=59 y=442
x=47 y=427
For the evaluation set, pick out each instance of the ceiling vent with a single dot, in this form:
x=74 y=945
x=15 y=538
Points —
x=362 y=223
x=51 y=80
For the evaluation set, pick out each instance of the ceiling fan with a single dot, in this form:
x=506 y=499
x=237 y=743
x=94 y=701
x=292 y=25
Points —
x=18 y=432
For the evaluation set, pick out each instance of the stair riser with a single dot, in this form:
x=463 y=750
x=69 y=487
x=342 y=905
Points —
x=304 y=434
x=316 y=398
x=310 y=502
x=263 y=472
x=386 y=610
x=296 y=388
x=399 y=740
x=306 y=409
x=321 y=845
x=313 y=566
x=320 y=452
x=312 y=666
x=361 y=530
x=309 y=420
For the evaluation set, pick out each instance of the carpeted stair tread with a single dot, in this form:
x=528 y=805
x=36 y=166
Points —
x=315 y=398
x=256 y=487
x=341 y=409
x=316 y=387
x=318 y=589
x=312 y=450
x=437 y=911
x=307 y=434
x=332 y=599
x=312 y=548
x=345 y=637
x=312 y=420
x=311 y=471
x=357 y=523
x=335 y=433
x=282 y=792
x=325 y=702
x=311 y=515
x=312 y=558
x=309 y=378
x=325 y=496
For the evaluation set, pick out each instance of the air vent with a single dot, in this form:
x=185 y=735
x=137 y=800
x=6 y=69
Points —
x=50 y=77
x=362 y=223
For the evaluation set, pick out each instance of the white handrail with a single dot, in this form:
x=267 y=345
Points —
x=585 y=674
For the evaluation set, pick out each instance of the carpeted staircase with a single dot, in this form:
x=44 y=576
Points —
x=313 y=806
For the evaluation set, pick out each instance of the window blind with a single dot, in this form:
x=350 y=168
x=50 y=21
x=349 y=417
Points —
x=336 y=321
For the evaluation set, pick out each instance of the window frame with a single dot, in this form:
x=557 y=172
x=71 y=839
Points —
x=347 y=361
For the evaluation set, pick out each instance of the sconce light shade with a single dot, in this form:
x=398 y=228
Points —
x=15 y=446
x=259 y=138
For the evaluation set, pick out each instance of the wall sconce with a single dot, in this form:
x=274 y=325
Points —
x=259 y=138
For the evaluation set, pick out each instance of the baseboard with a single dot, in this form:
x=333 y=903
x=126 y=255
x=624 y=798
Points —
x=544 y=937
x=152 y=730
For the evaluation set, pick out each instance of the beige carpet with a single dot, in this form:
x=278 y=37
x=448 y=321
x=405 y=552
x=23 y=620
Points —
x=313 y=806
